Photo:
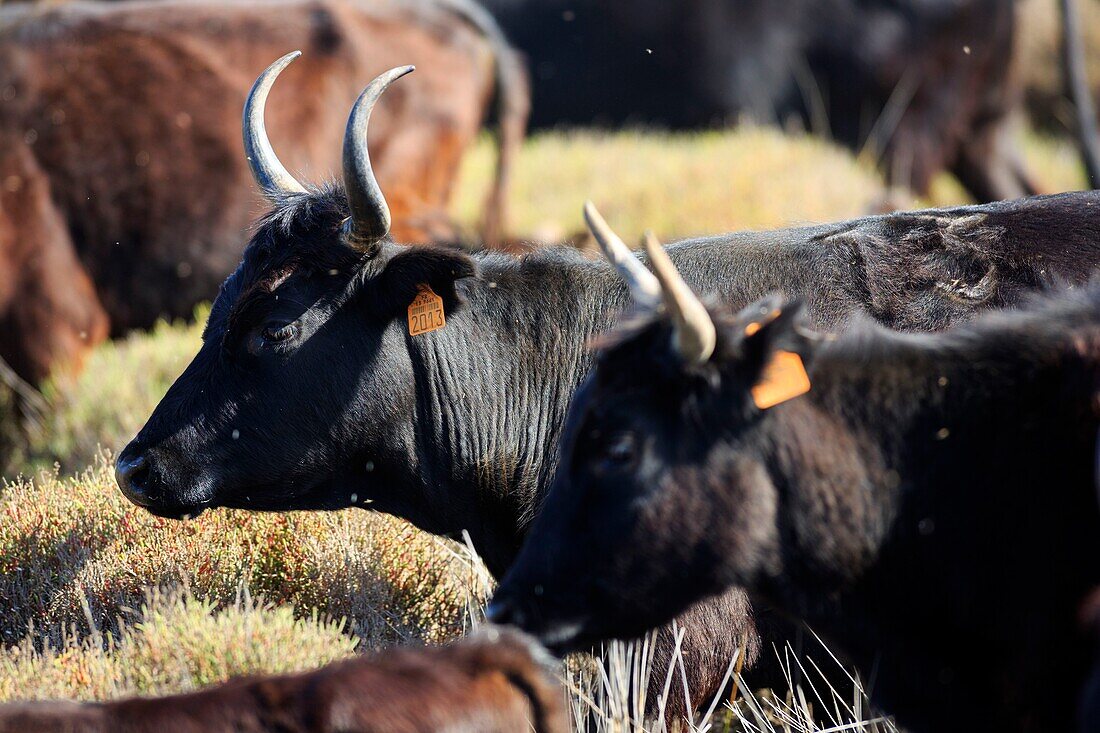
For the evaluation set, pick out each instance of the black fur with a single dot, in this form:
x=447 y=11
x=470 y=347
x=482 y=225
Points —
x=458 y=428
x=929 y=506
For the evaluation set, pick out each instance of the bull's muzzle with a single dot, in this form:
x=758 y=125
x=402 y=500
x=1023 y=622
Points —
x=132 y=476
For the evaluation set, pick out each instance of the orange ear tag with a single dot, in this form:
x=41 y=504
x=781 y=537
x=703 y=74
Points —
x=426 y=312
x=784 y=379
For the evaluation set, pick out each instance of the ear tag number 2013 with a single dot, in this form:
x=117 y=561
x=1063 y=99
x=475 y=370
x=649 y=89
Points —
x=426 y=312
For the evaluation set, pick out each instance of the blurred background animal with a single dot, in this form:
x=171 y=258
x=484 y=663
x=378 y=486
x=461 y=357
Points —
x=126 y=194
x=922 y=85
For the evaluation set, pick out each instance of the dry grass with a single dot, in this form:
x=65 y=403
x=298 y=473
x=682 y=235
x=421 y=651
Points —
x=106 y=405
x=74 y=552
x=174 y=643
x=676 y=184
x=604 y=697
x=687 y=184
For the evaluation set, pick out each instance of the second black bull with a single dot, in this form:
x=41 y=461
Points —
x=309 y=391
x=925 y=85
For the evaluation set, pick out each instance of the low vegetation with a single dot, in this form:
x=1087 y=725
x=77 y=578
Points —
x=74 y=554
x=681 y=185
x=174 y=643
x=678 y=185
x=100 y=599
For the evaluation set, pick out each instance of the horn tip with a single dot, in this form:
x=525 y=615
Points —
x=285 y=60
x=652 y=244
x=592 y=215
x=389 y=77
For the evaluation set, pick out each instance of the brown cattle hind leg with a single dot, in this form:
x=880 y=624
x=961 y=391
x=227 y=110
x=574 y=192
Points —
x=50 y=314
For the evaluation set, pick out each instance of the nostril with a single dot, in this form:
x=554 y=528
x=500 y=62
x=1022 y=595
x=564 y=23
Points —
x=131 y=474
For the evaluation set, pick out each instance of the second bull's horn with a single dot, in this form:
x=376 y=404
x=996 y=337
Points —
x=695 y=336
x=370 y=215
x=269 y=173
x=644 y=288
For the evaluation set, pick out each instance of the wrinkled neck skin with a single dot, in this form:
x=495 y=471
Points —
x=492 y=388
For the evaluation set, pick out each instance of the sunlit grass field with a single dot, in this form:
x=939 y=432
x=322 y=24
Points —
x=99 y=599
x=681 y=185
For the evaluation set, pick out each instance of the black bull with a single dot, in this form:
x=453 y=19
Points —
x=928 y=505
x=309 y=392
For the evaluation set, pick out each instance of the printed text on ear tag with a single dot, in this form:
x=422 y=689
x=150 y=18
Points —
x=426 y=311
x=784 y=379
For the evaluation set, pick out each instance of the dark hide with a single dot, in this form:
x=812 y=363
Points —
x=926 y=85
x=929 y=506
x=124 y=121
x=309 y=393
x=1089 y=714
x=495 y=682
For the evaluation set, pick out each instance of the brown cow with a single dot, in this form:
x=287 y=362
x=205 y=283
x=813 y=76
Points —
x=496 y=681
x=124 y=190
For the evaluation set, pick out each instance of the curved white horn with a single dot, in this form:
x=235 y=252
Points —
x=269 y=173
x=370 y=215
x=695 y=335
x=644 y=287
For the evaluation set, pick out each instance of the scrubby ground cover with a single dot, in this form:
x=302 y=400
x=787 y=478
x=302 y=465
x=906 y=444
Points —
x=99 y=599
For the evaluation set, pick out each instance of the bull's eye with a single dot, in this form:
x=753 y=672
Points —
x=620 y=450
x=278 y=334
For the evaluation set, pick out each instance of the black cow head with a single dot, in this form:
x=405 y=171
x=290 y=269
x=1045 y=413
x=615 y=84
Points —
x=648 y=491
x=271 y=413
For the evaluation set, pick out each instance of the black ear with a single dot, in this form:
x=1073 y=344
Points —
x=767 y=325
x=773 y=349
x=437 y=267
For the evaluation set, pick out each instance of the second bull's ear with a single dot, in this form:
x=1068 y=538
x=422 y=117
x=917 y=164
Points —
x=775 y=350
x=437 y=267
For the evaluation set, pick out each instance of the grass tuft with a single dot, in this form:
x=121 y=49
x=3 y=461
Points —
x=174 y=643
x=74 y=552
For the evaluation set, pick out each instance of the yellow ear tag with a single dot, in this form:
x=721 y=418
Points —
x=426 y=312
x=784 y=378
